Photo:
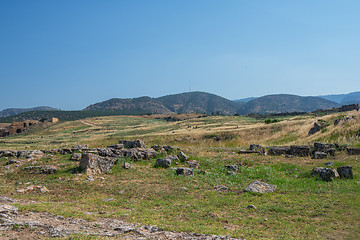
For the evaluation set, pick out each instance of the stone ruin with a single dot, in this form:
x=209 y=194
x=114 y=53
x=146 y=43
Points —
x=4 y=132
x=21 y=126
x=18 y=127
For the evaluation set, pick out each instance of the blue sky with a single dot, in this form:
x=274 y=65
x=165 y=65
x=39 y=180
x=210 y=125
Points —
x=70 y=54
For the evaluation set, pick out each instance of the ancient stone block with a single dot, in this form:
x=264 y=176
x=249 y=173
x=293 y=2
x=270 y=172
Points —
x=353 y=151
x=76 y=157
x=164 y=163
x=132 y=144
x=93 y=164
x=345 y=172
x=260 y=187
x=185 y=171
x=319 y=155
x=300 y=150
x=277 y=151
x=193 y=164
x=182 y=156
x=234 y=168
x=326 y=174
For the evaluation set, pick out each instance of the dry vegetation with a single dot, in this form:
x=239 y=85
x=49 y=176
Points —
x=303 y=207
x=192 y=130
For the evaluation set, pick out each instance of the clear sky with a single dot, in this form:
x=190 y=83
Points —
x=70 y=54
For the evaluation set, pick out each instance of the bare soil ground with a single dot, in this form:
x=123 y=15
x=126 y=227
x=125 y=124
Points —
x=27 y=225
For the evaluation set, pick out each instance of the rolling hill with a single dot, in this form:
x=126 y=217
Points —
x=344 y=99
x=13 y=111
x=192 y=102
x=140 y=105
x=281 y=103
x=199 y=102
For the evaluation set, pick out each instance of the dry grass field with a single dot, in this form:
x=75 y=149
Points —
x=192 y=130
x=303 y=207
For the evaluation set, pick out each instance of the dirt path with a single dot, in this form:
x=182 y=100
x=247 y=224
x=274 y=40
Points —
x=42 y=225
x=87 y=123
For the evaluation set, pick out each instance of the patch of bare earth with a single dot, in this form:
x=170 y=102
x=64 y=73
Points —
x=41 y=225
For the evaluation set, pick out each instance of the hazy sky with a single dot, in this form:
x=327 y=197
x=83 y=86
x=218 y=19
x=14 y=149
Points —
x=69 y=54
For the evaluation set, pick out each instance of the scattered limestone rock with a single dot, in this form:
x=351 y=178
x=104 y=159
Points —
x=8 y=209
x=117 y=146
x=163 y=162
x=46 y=169
x=7 y=199
x=140 y=154
x=35 y=154
x=353 y=151
x=345 y=172
x=329 y=164
x=319 y=155
x=317 y=127
x=168 y=148
x=233 y=168
x=108 y=199
x=192 y=164
x=322 y=147
x=106 y=152
x=93 y=164
x=132 y=144
x=255 y=147
x=128 y=166
x=185 y=171
x=12 y=161
x=172 y=158
x=277 y=151
x=63 y=151
x=299 y=150
x=260 y=187
x=251 y=206
x=326 y=174
x=33 y=188
x=158 y=148
x=331 y=151
x=81 y=147
x=89 y=178
x=182 y=156
x=245 y=151
x=76 y=156
x=125 y=229
x=221 y=188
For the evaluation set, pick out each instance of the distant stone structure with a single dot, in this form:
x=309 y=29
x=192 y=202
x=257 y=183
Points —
x=54 y=120
x=4 y=132
x=18 y=127
x=21 y=126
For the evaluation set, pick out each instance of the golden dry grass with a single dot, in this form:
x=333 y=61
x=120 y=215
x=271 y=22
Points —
x=211 y=131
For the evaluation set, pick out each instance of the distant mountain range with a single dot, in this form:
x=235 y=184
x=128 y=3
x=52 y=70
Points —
x=192 y=102
x=201 y=102
x=342 y=99
x=14 y=111
x=130 y=105
x=245 y=100
x=282 y=103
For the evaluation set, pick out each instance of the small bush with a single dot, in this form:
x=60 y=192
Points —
x=268 y=121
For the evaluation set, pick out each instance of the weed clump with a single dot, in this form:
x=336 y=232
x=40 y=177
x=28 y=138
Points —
x=269 y=121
